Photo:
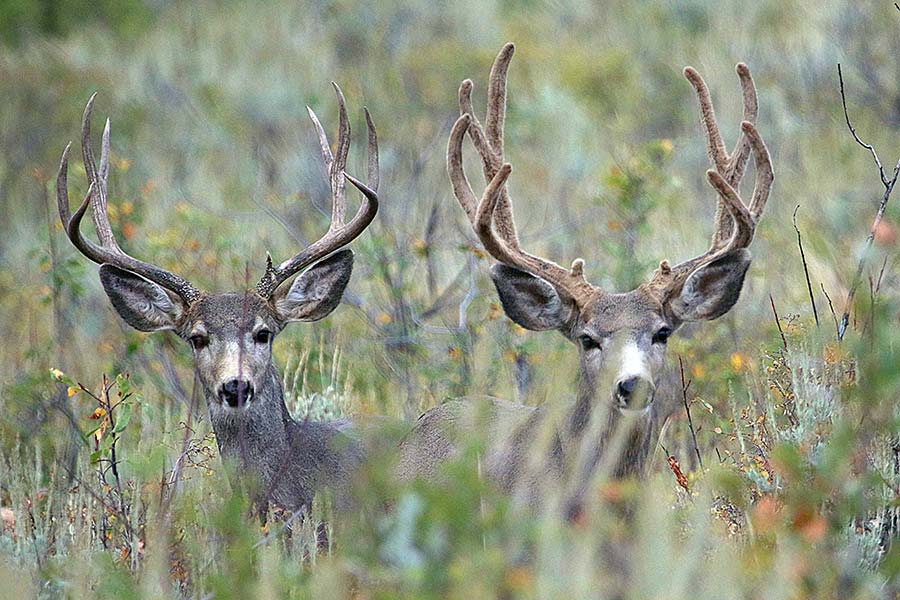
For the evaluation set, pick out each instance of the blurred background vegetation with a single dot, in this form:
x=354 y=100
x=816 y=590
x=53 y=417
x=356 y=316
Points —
x=215 y=163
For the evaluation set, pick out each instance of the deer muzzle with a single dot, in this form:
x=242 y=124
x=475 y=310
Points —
x=236 y=393
x=634 y=393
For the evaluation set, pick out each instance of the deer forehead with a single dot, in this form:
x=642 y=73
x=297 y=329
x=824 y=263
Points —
x=637 y=310
x=231 y=313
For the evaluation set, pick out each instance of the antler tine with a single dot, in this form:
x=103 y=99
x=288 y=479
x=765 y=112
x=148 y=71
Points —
x=715 y=147
x=99 y=199
x=108 y=251
x=491 y=161
x=372 y=166
x=741 y=153
x=104 y=160
x=324 y=146
x=339 y=233
x=338 y=191
x=496 y=108
x=764 y=172
x=62 y=192
x=462 y=189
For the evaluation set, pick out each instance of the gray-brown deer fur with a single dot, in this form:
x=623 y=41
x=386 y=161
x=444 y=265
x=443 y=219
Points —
x=617 y=414
x=282 y=461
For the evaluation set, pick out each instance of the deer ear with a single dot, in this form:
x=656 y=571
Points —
x=143 y=304
x=317 y=291
x=528 y=300
x=712 y=289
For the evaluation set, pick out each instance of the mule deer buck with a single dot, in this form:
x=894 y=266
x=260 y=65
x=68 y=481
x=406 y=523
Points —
x=620 y=334
x=231 y=334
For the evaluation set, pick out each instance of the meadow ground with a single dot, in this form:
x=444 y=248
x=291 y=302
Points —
x=214 y=163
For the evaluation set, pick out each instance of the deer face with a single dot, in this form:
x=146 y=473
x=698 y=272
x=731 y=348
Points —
x=622 y=337
x=231 y=338
x=230 y=334
x=622 y=343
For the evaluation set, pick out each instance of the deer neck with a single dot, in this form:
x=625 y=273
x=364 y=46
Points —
x=640 y=435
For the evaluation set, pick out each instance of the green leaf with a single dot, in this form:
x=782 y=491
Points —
x=122 y=418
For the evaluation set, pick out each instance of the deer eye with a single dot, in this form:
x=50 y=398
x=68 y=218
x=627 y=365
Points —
x=199 y=341
x=662 y=336
x=588 y=343
x=263 y=336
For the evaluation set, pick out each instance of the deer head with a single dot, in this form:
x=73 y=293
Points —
x=626 y=332
x=230 y=333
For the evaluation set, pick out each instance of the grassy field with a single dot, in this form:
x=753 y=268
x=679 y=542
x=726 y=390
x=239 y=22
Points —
x=215 y=163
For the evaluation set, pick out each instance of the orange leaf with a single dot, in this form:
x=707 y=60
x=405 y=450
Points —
x=679 y=474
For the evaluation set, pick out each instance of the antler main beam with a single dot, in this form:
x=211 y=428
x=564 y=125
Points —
x=108 y=251
x=339 y=233
x=492 y=217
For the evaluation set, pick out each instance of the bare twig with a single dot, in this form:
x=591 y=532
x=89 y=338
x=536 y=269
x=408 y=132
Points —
x=812 y=300
x=880 y=275
x=852 y=129
x=778 y=322
x=687 y=409
x=888 y=188
x=837 y=328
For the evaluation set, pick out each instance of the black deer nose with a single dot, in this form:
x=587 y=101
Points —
x=634 y=392
x=236 y=392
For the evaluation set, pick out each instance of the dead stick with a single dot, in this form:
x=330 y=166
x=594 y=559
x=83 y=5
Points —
x=687 y=409
x=812 y=300
x=837 y=327
x=778 y=322
x=888 y=188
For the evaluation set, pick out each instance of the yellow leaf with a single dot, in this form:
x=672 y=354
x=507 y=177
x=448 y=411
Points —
x=98 y=413
x=72 y=391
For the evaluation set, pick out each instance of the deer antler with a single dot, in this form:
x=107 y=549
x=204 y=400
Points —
x=492 y=218
x=108 y=251
x=735 y=222
x=339 y=233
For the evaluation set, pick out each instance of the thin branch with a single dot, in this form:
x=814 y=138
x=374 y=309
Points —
x=888 y=188
x=852 y=129
x=687 y=409
x=837 y=328
x=812 y=300
x=778 y=322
